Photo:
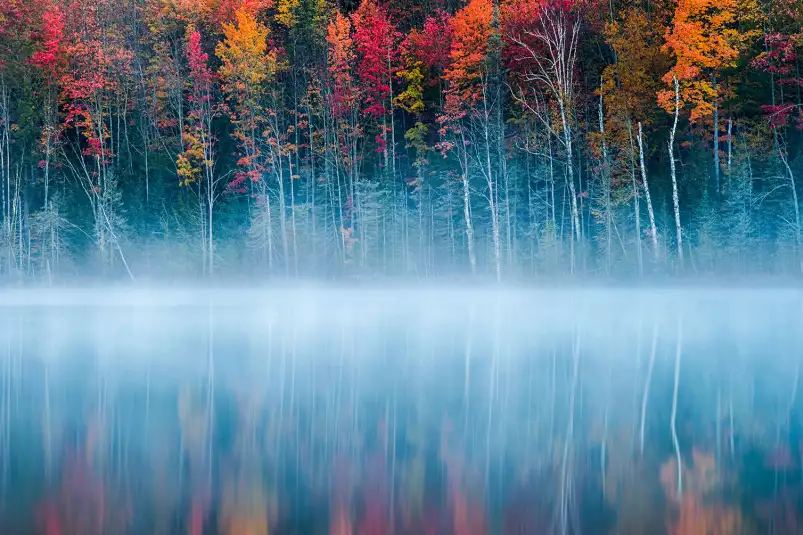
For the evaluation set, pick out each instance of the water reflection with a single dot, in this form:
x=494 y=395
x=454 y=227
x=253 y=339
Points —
x=427 y=411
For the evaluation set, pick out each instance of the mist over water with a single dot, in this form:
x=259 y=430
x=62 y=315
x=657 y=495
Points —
x=440 y=410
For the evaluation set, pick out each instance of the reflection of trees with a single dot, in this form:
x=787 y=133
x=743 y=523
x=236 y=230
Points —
x=82 y=504
x=355 y=434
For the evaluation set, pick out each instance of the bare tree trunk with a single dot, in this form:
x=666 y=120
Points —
x=607 y=178
x=793 y=187
x=210 y=203
x=675 y=200
x=293 y=217
x=653 y=230
x=492 y=198
x=472 y=258
x=730 y=144
x=716 y=140
x=5 y=169
x=269 y=227
x=636 y=195
x=282 y=202
x=312 y=184
x=567 y=136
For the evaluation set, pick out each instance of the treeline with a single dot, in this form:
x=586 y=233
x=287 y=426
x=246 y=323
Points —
x=502 y=138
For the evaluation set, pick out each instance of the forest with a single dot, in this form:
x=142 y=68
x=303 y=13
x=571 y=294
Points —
x=164 y=139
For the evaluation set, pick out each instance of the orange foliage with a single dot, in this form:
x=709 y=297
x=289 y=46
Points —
x=471 y=30
x=704 y=39
x=341 y=58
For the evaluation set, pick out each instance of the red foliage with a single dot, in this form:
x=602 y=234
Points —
x=198 y=59
x=50 y=58
x=226 y=10
x=14 y=16
x=376 y=40
x=432 y=44
x=521 y=17
x=780 y=59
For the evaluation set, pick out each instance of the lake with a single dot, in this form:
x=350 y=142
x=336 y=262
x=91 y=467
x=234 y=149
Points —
x=403 y=410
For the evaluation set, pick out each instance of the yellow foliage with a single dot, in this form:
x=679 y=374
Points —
x=285 y=12
x=246 y=62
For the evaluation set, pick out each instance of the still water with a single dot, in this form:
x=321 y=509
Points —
x=414 y=411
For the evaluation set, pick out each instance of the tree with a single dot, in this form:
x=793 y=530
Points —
x=704 y=40
x=411 y=101
x=545 y=37
x=467 y=103
x=344 y=98
x=247 y=67
x=629 y=86
x=196 y=163
x=96 y=72
x=376 y=43
x=780 y=59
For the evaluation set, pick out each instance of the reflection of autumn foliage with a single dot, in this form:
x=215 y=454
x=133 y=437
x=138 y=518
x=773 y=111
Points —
x=526 y=511
x=698 y=519
x=341 y=492
x=630 y=489
x=468 y=513
x=695 y=515
x=247 y=505
x=340 y=523
x=782 y=510
x=375 y=500
x=244 y=509
x=81 y=506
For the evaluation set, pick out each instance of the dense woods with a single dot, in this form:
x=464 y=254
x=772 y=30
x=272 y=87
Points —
x=502 y=138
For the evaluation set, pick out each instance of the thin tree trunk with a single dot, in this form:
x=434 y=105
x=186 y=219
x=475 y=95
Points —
x=567 y=136
x=793 y=187
x=472 y=258
x=607 y=178
x=730 y=144
x=650 y=212
x=492 y=200
x=675 y=200
x=716 y=140
x=636 y=195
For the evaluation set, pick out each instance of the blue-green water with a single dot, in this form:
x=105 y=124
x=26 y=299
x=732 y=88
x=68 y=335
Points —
x=410 y=410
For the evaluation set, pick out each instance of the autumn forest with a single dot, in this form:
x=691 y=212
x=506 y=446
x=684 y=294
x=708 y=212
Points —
x=504 y=139
x=430 y=149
